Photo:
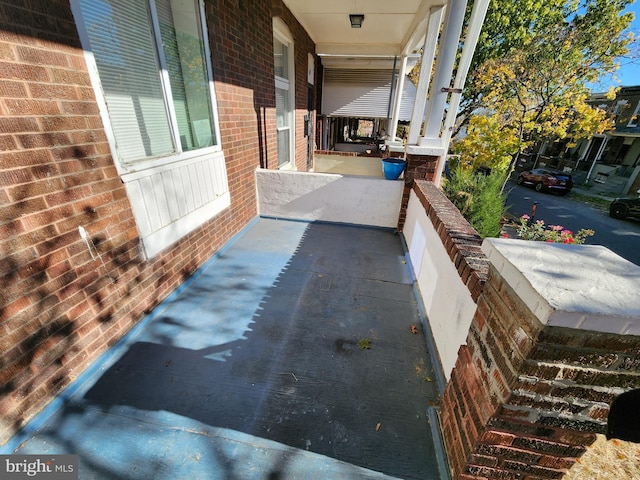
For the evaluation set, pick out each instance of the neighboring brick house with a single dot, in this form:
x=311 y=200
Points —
x=112 y=192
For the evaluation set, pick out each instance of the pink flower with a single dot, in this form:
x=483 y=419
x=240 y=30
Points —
x=548 y=240
x=556 y=228
x=504 y=235
x=567 y=232
x=525 y=217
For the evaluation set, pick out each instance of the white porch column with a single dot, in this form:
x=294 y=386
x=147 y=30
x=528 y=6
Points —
x=597 y=157
x=398 y=99
x=443 y=74
x=428 y=56
x=478 y=14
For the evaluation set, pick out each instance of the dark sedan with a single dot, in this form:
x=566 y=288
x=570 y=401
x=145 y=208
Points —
x=625 y=208
x=547 y=180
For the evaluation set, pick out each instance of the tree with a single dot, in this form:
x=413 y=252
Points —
x=546 y=36
x=540 y=88
x=488 y=143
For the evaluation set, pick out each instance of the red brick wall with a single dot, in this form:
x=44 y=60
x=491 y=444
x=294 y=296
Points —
x=524 y=400
x=303 y=45
x=60 y=307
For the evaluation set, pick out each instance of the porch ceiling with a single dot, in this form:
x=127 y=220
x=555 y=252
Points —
x=389 y=29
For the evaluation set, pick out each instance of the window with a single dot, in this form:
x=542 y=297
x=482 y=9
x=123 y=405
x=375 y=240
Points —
x=284 y=76
x=148 y=63
x=151 y=61
x=620 y=105
x=633 y=122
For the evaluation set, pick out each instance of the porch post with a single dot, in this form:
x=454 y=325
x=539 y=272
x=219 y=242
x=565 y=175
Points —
x=441 y=84
x=478 y=14
x=398 y=99
x=597 y=157
x=423 y=153
x=428 y=57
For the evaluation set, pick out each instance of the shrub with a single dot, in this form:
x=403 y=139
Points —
x=479 y=198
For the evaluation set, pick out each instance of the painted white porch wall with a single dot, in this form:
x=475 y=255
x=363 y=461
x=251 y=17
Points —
x=447 y=300
x=329 y=197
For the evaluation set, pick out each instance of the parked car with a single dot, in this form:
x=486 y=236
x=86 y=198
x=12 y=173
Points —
x=625 y=207
x=547 y=179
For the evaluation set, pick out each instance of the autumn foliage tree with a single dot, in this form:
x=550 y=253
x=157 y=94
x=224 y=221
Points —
x=531 y=83
x=528 y=82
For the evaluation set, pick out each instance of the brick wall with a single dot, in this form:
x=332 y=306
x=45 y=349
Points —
x=62 y=303
x=419 y=167
x=526 y=399
x=461 y=242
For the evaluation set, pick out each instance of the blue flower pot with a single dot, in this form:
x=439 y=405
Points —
x=393 y=167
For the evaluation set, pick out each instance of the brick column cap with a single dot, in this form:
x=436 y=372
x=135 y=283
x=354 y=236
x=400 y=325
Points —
x=586 y=287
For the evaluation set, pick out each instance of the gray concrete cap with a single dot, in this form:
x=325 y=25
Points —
x=586 y=287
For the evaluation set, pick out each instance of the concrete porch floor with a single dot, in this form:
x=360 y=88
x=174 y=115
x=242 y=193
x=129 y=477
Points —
x=252 y=370
x=348 y=165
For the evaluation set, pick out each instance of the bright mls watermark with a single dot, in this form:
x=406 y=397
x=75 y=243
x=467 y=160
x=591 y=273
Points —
x=50 y=467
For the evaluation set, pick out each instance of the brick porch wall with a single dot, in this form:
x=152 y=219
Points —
x=525 y=399
x=59 y=306
x=419 y=167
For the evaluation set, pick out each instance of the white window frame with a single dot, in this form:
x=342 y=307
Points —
x=633 y=121
x=170 y=195
x=283 y=34
x=619 y=106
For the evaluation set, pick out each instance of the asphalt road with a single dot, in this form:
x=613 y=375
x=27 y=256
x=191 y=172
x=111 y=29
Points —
x=620 y=236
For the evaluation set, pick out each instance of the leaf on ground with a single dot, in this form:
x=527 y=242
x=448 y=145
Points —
x=413 y=329
x=378 y=425
x=364 y=344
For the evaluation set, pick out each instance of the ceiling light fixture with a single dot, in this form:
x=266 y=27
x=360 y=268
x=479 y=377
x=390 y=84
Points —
x=356 y=20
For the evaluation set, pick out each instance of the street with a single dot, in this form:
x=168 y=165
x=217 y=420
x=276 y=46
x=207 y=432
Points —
x=620 y=236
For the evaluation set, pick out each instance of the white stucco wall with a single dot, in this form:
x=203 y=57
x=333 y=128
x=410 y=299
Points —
x=447 y=300
x=329 y=197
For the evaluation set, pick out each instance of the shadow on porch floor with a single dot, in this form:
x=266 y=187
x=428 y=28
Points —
x=254 y=369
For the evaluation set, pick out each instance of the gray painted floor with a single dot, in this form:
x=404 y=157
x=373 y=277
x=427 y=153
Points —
x=254 y=369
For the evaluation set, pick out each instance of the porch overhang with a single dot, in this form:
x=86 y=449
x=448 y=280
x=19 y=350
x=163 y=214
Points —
x=391 y=34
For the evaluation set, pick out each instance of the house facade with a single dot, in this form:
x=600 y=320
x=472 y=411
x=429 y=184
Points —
x=130 y=138
x=609 y=163
x=138 y=138
x=612 y=160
